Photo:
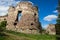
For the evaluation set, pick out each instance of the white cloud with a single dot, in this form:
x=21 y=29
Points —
x=56 y=11
x=8 y=2
x=3 y=10
x=4 y=5
x=50 y=17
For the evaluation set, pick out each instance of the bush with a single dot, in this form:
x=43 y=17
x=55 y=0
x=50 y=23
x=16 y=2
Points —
x=3 y=25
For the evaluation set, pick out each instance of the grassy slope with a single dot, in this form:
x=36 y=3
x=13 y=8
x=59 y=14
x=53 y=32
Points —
x=22 y=36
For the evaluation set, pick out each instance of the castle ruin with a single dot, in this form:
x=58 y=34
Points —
x=27 y=22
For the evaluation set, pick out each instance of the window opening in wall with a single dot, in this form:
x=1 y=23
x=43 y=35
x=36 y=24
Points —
x=31 y=23
x=35 y=14
x=4 y=19
x=15 y=24
x=18 y=16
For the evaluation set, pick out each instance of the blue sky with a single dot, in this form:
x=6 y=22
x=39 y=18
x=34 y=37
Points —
x=47 y=9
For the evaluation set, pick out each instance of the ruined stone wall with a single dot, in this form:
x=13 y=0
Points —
x=11 y=18
x=28 y=23
x=51 y=29
x=3 y=18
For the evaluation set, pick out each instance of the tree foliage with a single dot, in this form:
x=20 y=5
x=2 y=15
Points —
x=3 y=25
x=57 y=26
x=58 y=19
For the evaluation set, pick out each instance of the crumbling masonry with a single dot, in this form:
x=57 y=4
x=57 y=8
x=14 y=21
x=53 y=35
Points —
x=28 y=22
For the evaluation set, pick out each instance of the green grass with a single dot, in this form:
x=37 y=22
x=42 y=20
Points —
x=2 y=37
x=32 y=36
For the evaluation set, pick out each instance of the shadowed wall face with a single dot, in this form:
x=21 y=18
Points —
x=58 y=22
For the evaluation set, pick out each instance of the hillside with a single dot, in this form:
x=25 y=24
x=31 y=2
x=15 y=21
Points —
x=21 y=36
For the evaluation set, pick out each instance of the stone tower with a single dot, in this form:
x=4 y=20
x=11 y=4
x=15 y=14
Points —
x=28 y=22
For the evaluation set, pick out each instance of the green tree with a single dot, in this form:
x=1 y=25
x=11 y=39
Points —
x=2 y=26
x=58 y=22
